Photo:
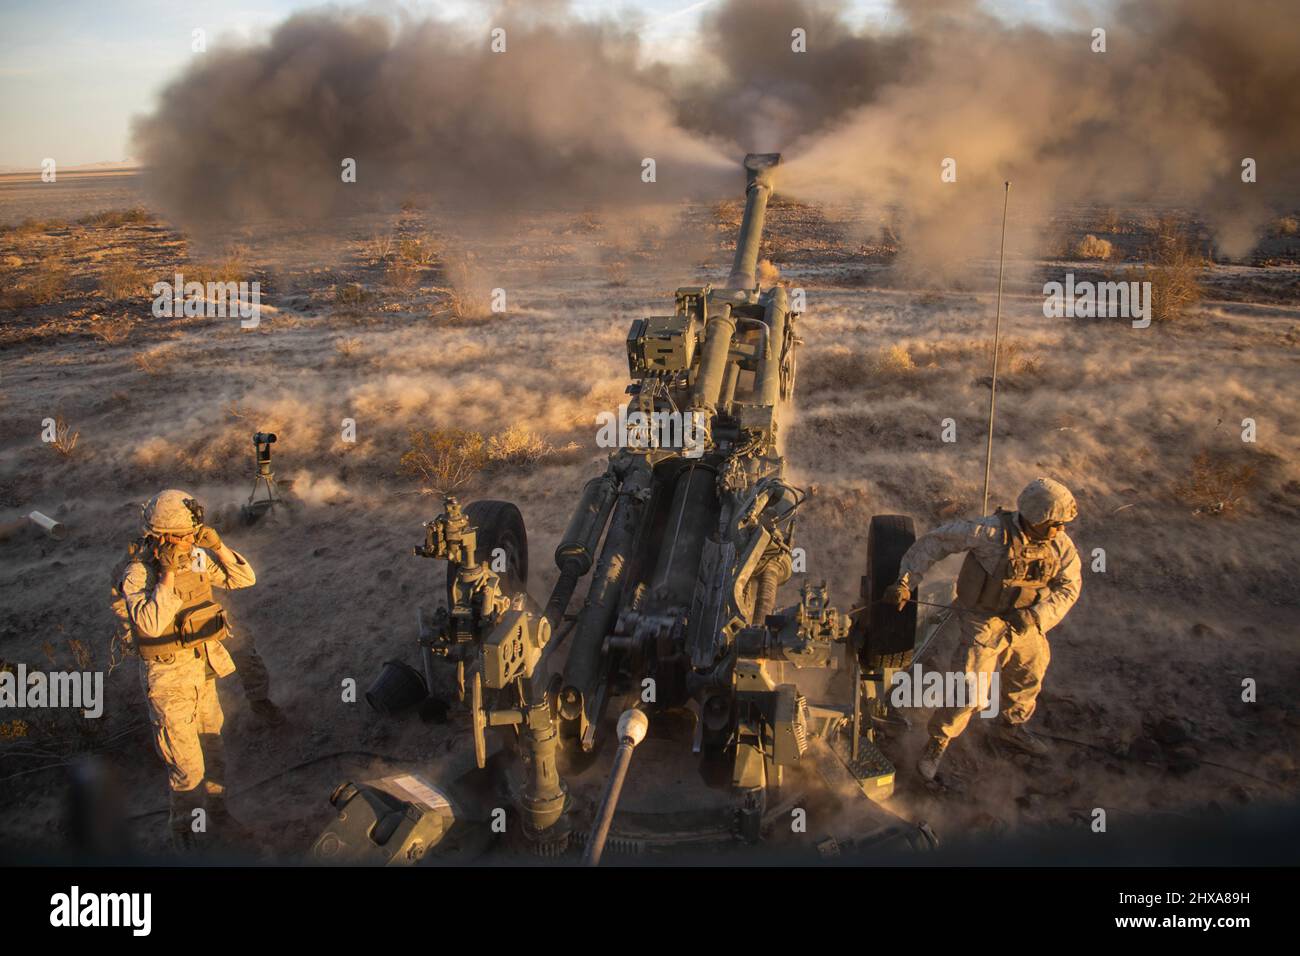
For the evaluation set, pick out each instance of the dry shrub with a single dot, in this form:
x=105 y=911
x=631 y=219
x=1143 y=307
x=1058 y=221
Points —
x=464 y=297
x=1026 y=365
x=155 y=361
x=136 y=215
x=379 y=248
x=1174 y=271
x=1216 y=484
x=1012 y=356
x=351 y=294
x=1015 y=360
x=112 y=331
x=893 y=362
x=77 y=243
x=49 y=282
x=44 y=286
x=233 y=268
x=420 y=251
x=517 y=446
x=122 y=280
x=401 y=275
x=347 y=348
x=37 y=227
x=444 y=458
x=65 y=439
x=450 y=303
x=1090 y=247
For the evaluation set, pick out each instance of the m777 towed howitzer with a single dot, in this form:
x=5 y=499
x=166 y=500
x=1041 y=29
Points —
x=682 y=545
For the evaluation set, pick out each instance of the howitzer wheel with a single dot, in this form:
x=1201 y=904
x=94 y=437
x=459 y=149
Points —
x=884 y=635
x=499 y=525
x=788 y=370
x=478 y=718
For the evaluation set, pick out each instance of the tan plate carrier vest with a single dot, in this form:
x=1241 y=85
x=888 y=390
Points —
x=1023 y=573
x=199 y=620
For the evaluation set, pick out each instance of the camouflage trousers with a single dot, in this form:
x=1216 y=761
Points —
x=186 y=717
x=986 y=645
x=250 y=668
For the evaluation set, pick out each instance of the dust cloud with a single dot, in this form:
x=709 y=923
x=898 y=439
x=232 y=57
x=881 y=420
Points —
x=1183 y=93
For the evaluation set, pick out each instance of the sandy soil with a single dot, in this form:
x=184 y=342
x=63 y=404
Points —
x=1147 y=671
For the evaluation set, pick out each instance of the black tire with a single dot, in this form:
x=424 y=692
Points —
x=888 y=636
x=789 y=369
x=499 y=525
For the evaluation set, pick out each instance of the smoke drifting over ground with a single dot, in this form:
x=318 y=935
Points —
x=1185 y=90
x=562 y=115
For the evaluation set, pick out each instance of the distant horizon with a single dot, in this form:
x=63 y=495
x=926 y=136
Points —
x=79 y=167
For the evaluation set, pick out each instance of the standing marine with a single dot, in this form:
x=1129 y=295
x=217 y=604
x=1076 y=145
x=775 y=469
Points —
x=165 y=589
x=1021 y=576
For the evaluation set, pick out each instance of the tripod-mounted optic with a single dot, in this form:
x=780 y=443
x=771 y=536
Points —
x=264 y=476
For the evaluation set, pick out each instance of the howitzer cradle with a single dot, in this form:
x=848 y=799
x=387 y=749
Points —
x=684 y=542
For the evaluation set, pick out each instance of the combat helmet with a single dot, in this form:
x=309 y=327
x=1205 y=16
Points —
x=1046 y=500
x=172 y=512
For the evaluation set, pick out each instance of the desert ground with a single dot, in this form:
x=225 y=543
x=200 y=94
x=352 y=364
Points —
x=384 y=319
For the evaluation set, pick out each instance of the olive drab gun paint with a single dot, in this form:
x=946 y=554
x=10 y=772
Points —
x=681 y=552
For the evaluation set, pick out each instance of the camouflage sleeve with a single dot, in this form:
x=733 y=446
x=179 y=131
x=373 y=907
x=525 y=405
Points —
x=1062 y=590
x=150 y=609
x=951 y=538
x=237 y=574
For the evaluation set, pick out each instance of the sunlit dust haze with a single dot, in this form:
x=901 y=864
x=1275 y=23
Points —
x=567 y=113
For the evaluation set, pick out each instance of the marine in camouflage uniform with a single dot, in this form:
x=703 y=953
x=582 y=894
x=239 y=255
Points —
x=177 y=629
x=1021 y=576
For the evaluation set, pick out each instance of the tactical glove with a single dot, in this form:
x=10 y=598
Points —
x=897 y=594
x=208 y=538
x=172 y=557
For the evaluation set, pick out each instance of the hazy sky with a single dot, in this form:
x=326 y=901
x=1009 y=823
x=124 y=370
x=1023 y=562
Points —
x=74 y=72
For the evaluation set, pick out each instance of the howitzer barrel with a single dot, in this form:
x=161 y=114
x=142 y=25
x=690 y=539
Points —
x=714 y=361
x=760 y=180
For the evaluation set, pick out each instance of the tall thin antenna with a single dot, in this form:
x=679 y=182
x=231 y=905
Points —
x=997 y=333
